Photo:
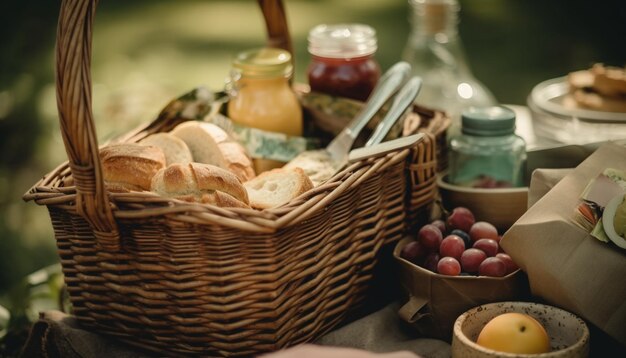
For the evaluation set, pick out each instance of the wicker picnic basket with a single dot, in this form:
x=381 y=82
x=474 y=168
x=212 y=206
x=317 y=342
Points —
x=182 y=278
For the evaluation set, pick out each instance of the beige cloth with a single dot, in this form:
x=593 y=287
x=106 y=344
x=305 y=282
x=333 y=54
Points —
x=56 y=334
x=59 y=335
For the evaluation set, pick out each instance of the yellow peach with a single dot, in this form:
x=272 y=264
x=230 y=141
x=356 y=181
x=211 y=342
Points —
x=514 y=333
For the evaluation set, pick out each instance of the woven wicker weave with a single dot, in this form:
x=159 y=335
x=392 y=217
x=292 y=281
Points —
x=181 y=278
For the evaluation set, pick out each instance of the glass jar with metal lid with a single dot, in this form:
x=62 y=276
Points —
x=261 y=96
x=342 y=60
x=487 y=153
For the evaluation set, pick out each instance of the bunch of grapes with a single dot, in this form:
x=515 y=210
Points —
x=459 y=246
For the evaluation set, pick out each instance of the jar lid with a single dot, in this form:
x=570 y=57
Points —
x=264 y=62
x=342 y=40
x=488 y=121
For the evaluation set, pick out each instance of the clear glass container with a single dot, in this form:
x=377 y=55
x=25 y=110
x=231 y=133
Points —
x=342 y=60
x=261 y=96
x=557 y=121
x=487 y=153
x=435 y=52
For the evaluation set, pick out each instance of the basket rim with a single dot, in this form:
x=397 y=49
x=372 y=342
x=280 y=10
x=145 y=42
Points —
x=50 y=191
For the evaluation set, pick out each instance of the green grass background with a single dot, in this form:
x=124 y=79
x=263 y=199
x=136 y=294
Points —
x=148 y=51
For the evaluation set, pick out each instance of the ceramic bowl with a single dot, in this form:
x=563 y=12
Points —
x=501 y=207
x=569 y=335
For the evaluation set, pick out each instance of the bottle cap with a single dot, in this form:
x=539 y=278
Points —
x=488 y=121
x=264 y=62
x=342 y=41
x=436 y=16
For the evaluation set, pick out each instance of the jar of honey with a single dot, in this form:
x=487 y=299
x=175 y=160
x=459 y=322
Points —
x=261 y=96
x=342 y=60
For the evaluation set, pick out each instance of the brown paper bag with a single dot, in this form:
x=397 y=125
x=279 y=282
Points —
x=435 y=301
x=542 y=181
x=565 y=265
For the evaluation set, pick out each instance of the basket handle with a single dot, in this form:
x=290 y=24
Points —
x=276 y=24
x=73 y=82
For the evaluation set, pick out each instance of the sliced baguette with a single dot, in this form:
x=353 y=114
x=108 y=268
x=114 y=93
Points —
x=174 y=148
x=198 y=182
x=209 y=144
x=277 y=187
x=130 y=166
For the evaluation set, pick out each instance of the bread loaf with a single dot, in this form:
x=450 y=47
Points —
x=277 y=187
x=174 y=148
x=198 y=182
x=130 y=166
x=209 y=144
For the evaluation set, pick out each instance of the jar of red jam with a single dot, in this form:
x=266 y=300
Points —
x=342 y=60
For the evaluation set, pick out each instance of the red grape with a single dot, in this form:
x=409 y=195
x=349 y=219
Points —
x=431 y=261
x=440 y=225
x=452 y=246
x=508 y=262
x=471 y=259
x=490 y=247
x=486 y=182
x=461 y=218
x=492 y=266
x=483 y=230
x=449 y=266
x=504 y=184
x=430 y=237
x=413 y=251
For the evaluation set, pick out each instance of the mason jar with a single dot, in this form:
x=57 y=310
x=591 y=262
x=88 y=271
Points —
x=342 y=60
x=261 y=97
x=487 y=153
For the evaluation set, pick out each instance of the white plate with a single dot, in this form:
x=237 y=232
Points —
x=548 y=96
x=607 y=221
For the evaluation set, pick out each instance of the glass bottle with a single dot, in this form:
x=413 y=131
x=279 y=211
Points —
x=435 y=52
x=342 y=60
x=261 y=96
x=487 y=153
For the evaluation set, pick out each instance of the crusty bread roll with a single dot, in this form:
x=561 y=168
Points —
x=601 y=88
x=277 y=187
x=130 y=166
x=209 y=144
x=595 y=101
x=198 y=182
x=580 y=79
x=174 y=148
x=609 y=81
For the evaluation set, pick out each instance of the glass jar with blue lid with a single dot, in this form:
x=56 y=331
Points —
x=487 y=153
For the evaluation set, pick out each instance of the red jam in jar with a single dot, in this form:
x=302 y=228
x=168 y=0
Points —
x=342 y=60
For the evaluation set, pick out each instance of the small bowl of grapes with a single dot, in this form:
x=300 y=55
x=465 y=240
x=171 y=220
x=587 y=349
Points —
x=452 y=264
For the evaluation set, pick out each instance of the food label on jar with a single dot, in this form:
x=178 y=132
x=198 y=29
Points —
x=264 y=144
